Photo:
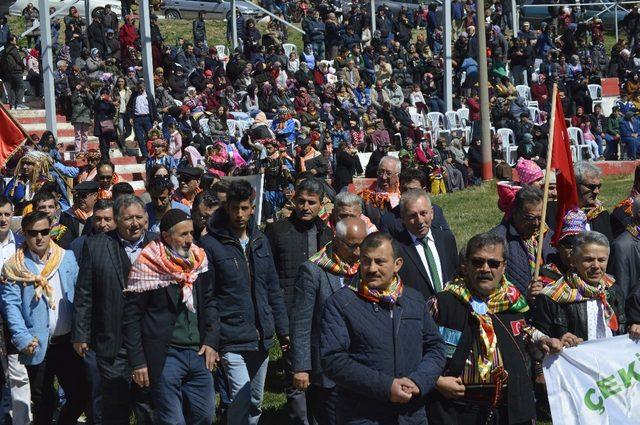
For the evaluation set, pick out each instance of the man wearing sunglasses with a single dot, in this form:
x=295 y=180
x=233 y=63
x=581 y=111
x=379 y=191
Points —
x=39 y=291
x=189 y=179
x=106 y=178
x=521 y=232
x=480 y=379
x=589 y=183
x=318 y=278
x=161 y=191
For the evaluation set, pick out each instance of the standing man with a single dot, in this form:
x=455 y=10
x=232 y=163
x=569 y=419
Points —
x=37 y=299
x=78 y=219
x=625 y=254
x=379 y=344
x=319 y=278
x=204 y=205
x=189 y=179
x=18 y=377
x=99 y=308
x=589 y=182
x=142 y=111
x=12 y=70
x=430 y=254
x=249 y=301
x=171 y=325
x=103 y=222
x=481 y=317
x=521 y=232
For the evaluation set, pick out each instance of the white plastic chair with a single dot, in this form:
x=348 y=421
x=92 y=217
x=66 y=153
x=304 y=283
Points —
x=534 y=114
x=418 y=119
x=595 y=92
x=463 y=113
x=436 y=120
x=233 y=127
x=453 y=120
x=577 y=138
x=525 y=92
x=509 y=147
x=288 y=48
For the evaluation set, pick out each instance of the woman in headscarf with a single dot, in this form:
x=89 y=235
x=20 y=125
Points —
x=95 y=64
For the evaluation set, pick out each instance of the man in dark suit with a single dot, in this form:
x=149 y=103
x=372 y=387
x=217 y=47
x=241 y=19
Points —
x=411 y=178
x=318 y=278
x=589 y=182
x=77 y=219
x=310 y=159
x=171 y=324
x=99 y=307
x=430 y=255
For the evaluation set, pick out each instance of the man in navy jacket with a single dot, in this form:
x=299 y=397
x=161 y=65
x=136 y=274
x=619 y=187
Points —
x=248 y=300
x=379 y=344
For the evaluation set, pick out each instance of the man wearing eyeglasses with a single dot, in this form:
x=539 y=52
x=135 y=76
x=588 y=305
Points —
x=323 y=274
x=589 y=183
x=521 y=232
x=481 y=319
x=430 y=254
x=383 y=195
x=37 y=299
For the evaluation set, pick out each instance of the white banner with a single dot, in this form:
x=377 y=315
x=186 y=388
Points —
x=257 y=182
x=595 y=383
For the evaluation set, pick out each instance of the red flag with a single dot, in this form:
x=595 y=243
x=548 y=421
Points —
x=11 y=136
x=562 y=161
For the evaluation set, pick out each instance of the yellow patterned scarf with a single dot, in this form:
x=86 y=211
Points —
x=15 y=271
x=593 y=212
x=506 y=297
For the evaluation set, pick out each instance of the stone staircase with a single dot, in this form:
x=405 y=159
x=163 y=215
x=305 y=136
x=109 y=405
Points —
x=129 y=168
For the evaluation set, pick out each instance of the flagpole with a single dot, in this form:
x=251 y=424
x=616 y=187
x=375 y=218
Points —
x=6 y=111
x=547 y=177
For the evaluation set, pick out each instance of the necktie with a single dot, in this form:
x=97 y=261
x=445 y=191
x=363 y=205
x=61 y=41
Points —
x=433 y=268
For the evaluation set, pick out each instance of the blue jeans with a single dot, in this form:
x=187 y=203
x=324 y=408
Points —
x=184 y=392
x=246 y=372
x=141 y=126
x=632 y=146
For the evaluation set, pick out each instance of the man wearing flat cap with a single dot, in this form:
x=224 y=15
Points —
x=189 y=179
x=171 y=325
x=77 y=219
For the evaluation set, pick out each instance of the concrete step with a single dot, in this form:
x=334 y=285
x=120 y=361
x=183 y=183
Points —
x=42 y=126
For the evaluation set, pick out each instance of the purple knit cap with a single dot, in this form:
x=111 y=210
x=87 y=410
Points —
x=573 y=223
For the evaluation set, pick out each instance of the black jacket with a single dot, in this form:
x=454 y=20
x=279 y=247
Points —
x=11 y=62
x=99 y=301
x=413 y=272
x=364 y=347
x=602 y=224
x=248 y=297
x=149 y=320
x=346 y=167
x=75 y=226
x=555 y=319
x=453 y=314
x=131 y=106
x=289 y=245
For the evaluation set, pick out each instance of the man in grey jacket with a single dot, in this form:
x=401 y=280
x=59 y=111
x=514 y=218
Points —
x=318 y=278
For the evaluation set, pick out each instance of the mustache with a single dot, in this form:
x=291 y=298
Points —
x=487 y=276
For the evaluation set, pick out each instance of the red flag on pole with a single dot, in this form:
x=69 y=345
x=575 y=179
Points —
x=11 y=135
x=561 y=160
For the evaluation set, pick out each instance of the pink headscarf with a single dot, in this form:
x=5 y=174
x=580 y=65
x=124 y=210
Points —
x=195 y=159
x=528 y=171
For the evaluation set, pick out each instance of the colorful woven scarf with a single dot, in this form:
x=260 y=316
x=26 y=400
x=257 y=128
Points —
x=531 y=246
x=571 y=288
x=387 y=297
x=380 y=199
x=328 y=260
x=15 y=271
x=634 y=230
x=594 y=212
x=506 y=297
x=158 y=266
x=57 y=232
x=81 y=215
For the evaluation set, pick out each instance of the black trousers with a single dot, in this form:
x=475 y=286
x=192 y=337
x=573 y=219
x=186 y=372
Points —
x=60 y=362
x=296 y=399
x=322 y=404
x=120 y=394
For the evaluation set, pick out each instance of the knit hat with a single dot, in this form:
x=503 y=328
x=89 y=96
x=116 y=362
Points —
x=528 y=171
x=171 y=218
x=573 y=223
